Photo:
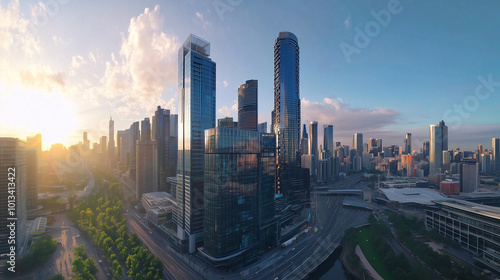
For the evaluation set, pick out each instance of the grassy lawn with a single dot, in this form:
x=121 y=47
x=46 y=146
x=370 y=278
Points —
x=370 y=253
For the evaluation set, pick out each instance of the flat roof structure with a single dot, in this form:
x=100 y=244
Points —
x=421 y=196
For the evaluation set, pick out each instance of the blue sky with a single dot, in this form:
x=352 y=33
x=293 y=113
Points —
x=78 y=62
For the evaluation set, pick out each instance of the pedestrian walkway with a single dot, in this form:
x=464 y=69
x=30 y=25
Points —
x=367 y=264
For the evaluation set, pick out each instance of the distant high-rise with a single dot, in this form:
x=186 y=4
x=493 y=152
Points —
x=35 y=142
x=304 y=142
x=134 y=136
x=438 y=142
x=313 y=149
x=196 y=113
x=86 y=141
x=426 y=149
x=495 y=153
x=239 y=201
x=357 y=143
x=289 y=181
x=469 y=176
x=379 y=144
x=145 y=130
x=262 y=127
x=145 y=168
x=247 y=105
x=408 y=144
x=328 y=144
x=12 y=155
x=372 y=146
x=31 y=179
x=227 y=122
x=161 y=134
x=123 y=148
x=111 y=144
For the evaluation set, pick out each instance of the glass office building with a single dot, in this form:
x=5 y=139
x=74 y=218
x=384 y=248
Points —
x=475 y=226
x=196 y=113
x=247 y=105
x=286 y=121
x=438 y=142
x=239 y=195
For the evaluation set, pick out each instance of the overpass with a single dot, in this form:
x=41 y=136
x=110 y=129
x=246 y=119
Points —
x=344 y=192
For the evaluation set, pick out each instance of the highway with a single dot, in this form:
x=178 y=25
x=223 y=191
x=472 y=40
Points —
x=295 y=261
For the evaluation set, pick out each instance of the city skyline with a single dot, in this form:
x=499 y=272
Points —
x=444 y=70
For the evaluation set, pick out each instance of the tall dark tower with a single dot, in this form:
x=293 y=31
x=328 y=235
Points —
x=289 y=181
x=111 y=144
x=196 y=114
x=438 y=142
x=247 y=105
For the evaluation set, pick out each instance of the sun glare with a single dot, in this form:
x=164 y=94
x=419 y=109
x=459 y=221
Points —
x=27 y=112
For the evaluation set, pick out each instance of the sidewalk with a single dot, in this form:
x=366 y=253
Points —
x=367 y=264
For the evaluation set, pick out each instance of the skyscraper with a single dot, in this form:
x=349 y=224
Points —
x=145 y=130
x=438 y=142
x=196 y=113
x=289 y=181
x=304 y=141
x=240 y=218
x=357 y=143
x=313 y=149
x=123 y=148
x=111 y=144
x=469 y=176
x=31 y=179
x=35 y=142
x=161 y=135
x=134 y=136
x=495 y=153
x=262 y=127
x=13 y=176
x=247 y=105
x=328 y=144
x=426 y=149
x=408 y=144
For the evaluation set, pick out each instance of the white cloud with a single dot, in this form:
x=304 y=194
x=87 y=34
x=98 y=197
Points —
x=146 y=65
x=225 y=83
x=345 y=118
x=224 y=111
x=42 y=78
x=205 y=24
x=77 y=61
x=16 y=32
x=347 y=22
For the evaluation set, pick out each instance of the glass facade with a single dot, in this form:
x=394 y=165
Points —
x=196 y=113
x=474 y=226
x=438 y=142
x=247 y=105
x=286 y=120
x=328 y=140
x=12 y=154
x=239 y=194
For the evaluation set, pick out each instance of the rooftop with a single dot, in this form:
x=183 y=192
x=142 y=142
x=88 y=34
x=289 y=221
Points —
x=475 y=208
x=413 y=195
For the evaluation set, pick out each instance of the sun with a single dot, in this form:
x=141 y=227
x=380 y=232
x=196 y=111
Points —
x=27 y=112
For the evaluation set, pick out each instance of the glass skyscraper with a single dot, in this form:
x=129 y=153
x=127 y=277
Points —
x=495 y=151
x=286 y=123
x=328 y=140
x=357 y=143
x=239 y=195
x=438 y=142
x=196 y=113
x=247 y=105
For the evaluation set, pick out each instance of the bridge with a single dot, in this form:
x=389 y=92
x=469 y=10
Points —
x=344 y=192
